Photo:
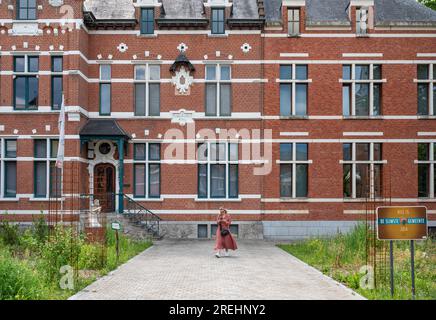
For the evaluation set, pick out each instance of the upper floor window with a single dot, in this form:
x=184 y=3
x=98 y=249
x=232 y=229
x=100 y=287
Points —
x=218 y=90
x=426 y=89
x=294 y=164
x=147 y=90
x=293 y=90
x=26 y=9
x=363 y=170
x=26 y=82
x=293 y=22
x=218 y=170
x=362 y=90
x=426 y=170
x=362 y=21
x=147 y=21
x=105 y=89
x=146 y=170
x=56 y=82
x=47 y=177
x=217 y=21
x=8 y=168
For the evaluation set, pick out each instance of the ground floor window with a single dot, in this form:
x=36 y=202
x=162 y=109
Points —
x=218 y=170
x=8 y=168
x=47 y=177
x=146 y=170
x=426 y=170
x=294 y=165
x=362 y=170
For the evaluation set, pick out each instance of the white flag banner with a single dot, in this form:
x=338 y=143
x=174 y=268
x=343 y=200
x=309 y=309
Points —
x=61 y=127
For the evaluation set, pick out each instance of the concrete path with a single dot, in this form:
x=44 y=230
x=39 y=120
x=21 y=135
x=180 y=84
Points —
x=187 y=270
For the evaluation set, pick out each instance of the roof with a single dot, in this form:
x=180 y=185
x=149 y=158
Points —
x=110 y=9
x=318 y=12
x=106 y=127
x=334 y=12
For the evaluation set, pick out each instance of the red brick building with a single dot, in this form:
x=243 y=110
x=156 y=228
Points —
x=291 y=113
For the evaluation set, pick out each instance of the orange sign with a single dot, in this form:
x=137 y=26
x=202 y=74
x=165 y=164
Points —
x=402 y=223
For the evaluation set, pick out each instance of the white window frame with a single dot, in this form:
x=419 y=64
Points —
x=227 y=162
x=294 y=162
x=371 y=81
x=360 y=12
x=293 y=9
x=219 y=82
x=146 y=163
x=355 y=162
x=3 y=159
x=432 y=163
x=47 y=159
x=147 y=81
x=431 y=81
x=294 y=83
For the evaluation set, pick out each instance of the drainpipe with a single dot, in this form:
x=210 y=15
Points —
x=121 y=176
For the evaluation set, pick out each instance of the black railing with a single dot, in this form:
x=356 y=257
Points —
x=141 y=216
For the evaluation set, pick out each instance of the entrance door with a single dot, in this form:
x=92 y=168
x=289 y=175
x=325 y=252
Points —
x=104 y=186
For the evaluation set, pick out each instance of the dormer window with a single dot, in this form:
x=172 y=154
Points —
x=147 y=21
x=294 y=21
x=361 y=21
x=26 y=9
x=217 y=21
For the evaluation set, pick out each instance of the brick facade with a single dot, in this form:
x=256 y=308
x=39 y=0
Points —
x=255 y=96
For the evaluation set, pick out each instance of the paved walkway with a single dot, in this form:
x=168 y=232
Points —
x=187 y=270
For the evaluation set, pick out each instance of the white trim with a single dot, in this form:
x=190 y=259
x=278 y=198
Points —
x=294 y=134
x=294 y=3
x=426 y=55
x=362 y=55
x=294 y=55
x=362 y=134
x=431 y=134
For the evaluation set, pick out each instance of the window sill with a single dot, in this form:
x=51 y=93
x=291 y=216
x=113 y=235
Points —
x=148 y=199
x=294 y=199
x=295 y=35
x=294 y=117
x=421 y=117
x=9 y=199
x=218 y=35
x=380 y=117
x=351 y=200
x=141 y=35
x=218 y=200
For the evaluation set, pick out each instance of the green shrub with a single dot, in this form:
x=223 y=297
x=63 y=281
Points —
x=40 y=229
x=91 y=257
x=17 y=280
x=9 y=233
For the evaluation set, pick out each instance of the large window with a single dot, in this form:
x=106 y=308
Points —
x=56 y=82
x=363 y=170
x=8 y=168
x=218 y=90
x=426 y=170
x=47 y=177
x=217 y=21
x=293 y=22
x=26 y=84
x=147 y=90
x=426 y=89
x=146 y=170
x=26 y=9
x=362 y=90
x=293 y=90
x=218 y=170
x=294 y=165
x=105 y=89
x=147 y=21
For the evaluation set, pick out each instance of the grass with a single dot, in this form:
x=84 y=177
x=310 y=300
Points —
x=343 y=256
x=30 y=264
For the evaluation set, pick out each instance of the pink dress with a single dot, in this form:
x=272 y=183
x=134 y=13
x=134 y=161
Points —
x=226 y=242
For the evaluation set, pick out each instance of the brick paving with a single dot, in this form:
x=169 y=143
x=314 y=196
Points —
x=183 y=269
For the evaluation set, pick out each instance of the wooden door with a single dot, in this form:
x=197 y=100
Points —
x=104 y=186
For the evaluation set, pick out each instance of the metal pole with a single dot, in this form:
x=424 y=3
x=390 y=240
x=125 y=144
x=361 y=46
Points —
x=412 y=263
x=118 y=247
x=391 y=251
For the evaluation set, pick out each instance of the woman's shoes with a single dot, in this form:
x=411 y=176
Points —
x=227 y=254
x=217 y=255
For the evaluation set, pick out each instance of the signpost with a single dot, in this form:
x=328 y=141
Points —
x=117 y=226
x=402 y=223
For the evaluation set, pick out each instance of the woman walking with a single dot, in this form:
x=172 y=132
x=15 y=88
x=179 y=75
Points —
x=224 y=239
